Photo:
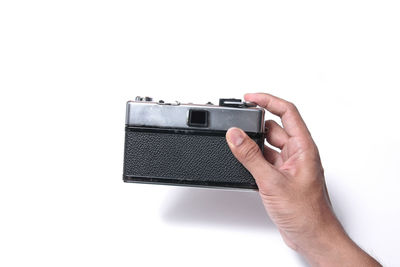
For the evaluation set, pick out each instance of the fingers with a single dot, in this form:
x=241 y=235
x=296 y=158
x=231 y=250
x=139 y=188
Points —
x=290 y=116
x=275 y=134
x=272 y=156
x=248 y=153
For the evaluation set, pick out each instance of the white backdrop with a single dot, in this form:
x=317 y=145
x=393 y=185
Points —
x=68 y=67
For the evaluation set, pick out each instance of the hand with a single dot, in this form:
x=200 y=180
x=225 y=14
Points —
x=292 y=187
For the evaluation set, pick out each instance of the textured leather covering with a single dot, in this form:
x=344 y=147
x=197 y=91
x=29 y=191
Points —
x=183 y=159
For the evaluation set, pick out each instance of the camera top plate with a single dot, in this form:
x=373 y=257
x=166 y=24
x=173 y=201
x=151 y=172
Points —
x=230 y=113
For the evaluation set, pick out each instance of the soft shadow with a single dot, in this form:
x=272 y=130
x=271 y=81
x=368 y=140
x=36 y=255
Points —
x=215 y=207
x=302 y=261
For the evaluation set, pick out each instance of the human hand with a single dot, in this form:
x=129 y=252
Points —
x=292 y=187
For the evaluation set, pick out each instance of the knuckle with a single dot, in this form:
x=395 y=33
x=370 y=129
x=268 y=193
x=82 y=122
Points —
x=251 y=152
x=291 y=106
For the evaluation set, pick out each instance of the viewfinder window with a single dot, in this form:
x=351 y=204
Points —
x=198 y=118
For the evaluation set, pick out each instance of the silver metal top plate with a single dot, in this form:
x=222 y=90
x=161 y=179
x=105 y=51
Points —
x=175 y=115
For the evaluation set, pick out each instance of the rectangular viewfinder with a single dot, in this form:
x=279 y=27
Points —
x=198 y=118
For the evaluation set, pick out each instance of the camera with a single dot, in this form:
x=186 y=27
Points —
x=184 y=144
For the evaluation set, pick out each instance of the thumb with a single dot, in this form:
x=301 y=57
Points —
x=248 y=153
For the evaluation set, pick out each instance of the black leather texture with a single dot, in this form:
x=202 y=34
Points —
x=183 y=159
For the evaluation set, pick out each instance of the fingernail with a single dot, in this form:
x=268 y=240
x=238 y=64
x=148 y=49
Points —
x=235 y=136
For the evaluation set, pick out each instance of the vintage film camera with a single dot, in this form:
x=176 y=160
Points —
x=184 y=144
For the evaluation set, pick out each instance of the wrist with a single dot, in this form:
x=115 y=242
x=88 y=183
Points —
x=326 y=245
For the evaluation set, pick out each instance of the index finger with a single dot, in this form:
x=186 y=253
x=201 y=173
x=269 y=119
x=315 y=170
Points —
x=290 y=116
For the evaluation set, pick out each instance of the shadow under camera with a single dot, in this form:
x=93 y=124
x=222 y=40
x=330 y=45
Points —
x=216 y=207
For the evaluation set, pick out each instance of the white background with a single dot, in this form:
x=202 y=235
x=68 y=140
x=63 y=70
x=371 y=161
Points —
x=68 y=67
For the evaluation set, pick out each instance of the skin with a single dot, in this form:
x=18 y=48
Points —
x=292 y=187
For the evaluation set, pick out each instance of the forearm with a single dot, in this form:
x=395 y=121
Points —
x=335 y=248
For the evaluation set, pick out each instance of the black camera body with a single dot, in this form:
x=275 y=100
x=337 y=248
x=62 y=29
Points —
x=184 y=144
